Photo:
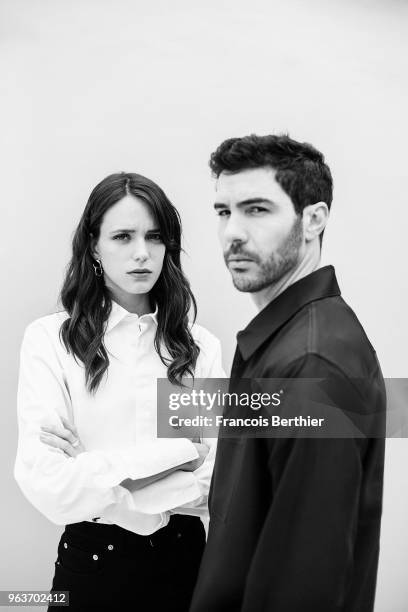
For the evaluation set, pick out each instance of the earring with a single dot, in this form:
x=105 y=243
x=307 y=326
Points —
x=98 y=269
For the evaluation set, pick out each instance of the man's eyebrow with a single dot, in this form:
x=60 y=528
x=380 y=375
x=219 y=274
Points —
x=247 y=202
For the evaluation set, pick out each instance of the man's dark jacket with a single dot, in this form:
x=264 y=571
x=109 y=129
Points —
x=295 y=522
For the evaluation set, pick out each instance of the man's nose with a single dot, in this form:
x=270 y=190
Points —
x=234 y=231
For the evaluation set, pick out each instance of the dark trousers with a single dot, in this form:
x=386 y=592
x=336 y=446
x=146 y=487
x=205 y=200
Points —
x=108 y=567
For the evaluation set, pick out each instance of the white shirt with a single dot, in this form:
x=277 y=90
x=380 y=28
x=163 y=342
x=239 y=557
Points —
x=116 y=425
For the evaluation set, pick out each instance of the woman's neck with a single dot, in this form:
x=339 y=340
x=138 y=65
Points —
x=137 y=304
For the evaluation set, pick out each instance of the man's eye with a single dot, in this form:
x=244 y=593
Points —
x=256 y=209
x=156 y=237
x=123 y=237
x=223 y=213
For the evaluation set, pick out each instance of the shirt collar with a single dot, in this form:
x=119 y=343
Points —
x=118 y=313
x=319 y=284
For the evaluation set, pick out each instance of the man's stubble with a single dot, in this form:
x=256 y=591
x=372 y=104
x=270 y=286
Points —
x=270 y=270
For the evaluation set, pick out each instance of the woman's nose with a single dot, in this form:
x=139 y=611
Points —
x=140 y=252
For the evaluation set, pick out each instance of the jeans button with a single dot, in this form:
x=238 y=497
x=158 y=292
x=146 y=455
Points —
x=95 y=557
x=110 y=546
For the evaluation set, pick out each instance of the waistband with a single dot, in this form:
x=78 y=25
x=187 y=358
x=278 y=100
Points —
x=101 y=537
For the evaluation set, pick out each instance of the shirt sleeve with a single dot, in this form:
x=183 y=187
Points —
x=187 y=492
x=68 y=489
x=305 y=552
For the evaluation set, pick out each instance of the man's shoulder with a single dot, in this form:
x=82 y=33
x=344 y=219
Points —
x=335 y=330
x=328 y=330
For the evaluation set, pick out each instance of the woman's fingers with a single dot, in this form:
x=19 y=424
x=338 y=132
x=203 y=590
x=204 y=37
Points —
x=69 y=426
x=57 y=442
x=64 y=437
x=61 y=432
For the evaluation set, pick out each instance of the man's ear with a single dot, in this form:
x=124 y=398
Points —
x=315 y=217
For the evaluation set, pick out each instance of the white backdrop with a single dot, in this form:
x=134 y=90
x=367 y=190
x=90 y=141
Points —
x=91 y=87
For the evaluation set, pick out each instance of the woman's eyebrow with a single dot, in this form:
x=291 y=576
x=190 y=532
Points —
x=132 y=230
x=129 y=231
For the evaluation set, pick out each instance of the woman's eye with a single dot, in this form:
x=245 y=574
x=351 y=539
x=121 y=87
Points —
x=156 y=237
x=123 y=237
x=223 y=213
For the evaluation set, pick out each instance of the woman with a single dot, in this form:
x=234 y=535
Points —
x=88 y=456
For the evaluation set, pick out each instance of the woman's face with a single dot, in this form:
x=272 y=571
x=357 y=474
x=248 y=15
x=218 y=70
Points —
x=130 y=248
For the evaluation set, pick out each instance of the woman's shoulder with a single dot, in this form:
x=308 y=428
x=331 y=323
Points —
x=209 y=362
x=49 y=324
x=203 y=337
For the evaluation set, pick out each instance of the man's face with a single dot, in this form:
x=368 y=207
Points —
x=260 y=233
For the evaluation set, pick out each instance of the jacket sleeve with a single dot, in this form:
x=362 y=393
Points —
x=67 y=489
x=304 y=556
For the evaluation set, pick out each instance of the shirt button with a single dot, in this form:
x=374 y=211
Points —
x=95 y=557
x=65 y=545
x=110 y=546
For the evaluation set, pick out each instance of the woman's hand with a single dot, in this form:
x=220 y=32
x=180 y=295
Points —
x=194 y=464
x=66 y=438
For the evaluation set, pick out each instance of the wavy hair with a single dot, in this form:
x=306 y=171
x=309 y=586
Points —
x=88 y=301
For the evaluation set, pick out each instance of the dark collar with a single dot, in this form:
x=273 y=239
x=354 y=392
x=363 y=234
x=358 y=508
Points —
x=319 y=284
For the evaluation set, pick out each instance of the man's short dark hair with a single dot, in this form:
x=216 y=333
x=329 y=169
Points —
x=300 y=169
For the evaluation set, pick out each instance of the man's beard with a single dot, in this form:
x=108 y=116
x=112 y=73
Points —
x=269 y=271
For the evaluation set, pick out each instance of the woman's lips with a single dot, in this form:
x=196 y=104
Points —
x=140 y=274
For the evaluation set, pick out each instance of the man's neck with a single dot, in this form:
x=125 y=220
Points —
x=308 y=264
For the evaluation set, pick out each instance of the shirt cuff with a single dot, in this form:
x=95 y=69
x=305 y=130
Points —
x=177 y=489
x=125 y=514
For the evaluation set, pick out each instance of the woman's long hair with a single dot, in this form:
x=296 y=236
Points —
x=88 y=301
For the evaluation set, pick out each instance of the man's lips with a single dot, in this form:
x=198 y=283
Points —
x=237 y=258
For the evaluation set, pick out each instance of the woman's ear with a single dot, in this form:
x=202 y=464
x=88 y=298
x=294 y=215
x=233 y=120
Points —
x=94 y=247
x=315 y=217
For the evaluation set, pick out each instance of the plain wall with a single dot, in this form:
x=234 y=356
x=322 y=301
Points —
x=93 y=87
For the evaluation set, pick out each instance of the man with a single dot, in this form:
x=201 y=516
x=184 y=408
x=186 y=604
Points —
x=295 y=521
